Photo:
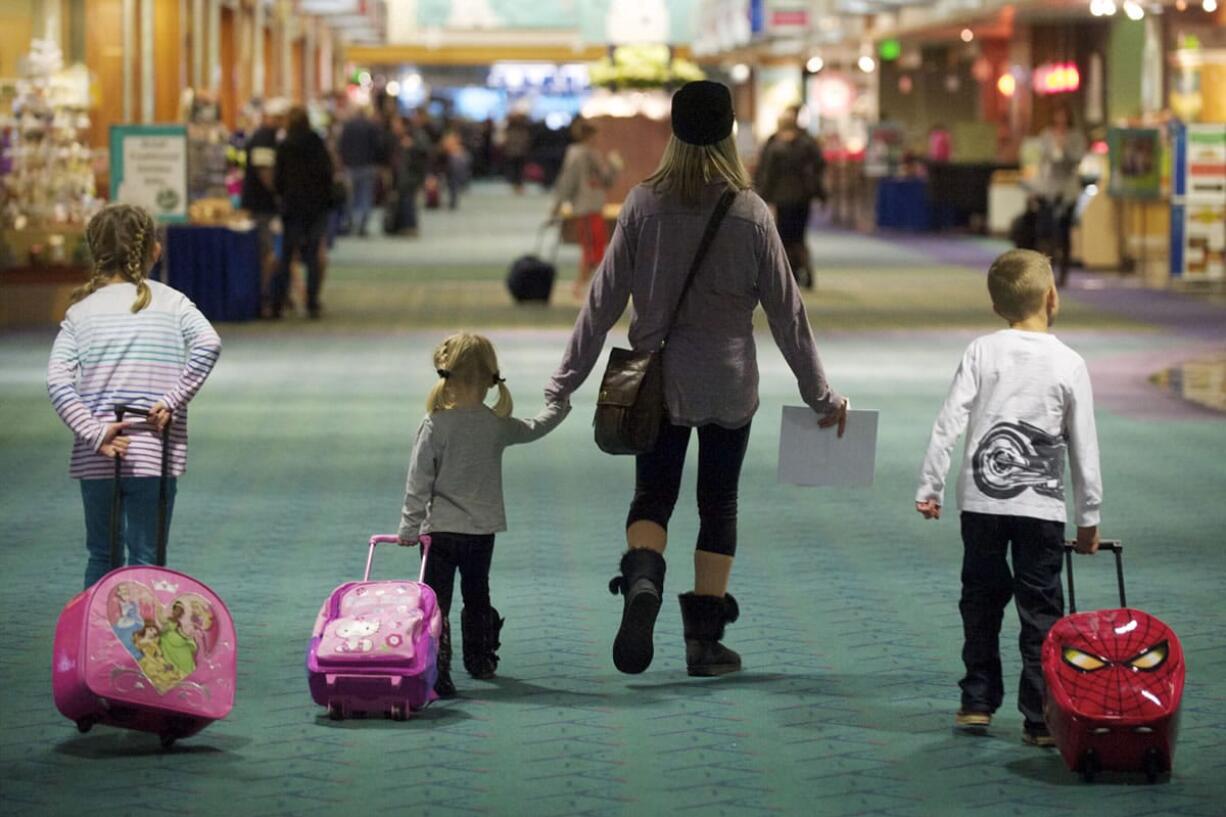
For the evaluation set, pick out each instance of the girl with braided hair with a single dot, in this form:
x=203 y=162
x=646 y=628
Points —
x=128 y=341
x=454 y=492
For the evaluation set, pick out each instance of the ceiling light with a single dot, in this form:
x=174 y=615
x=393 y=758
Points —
x=867 y=64
x=814 y=64
x=1133 y=10
x=967 y=35
x=739 y=73
x=1209 y=6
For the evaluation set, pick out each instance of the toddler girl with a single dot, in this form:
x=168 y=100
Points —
x=130 y=341
x=454 y=492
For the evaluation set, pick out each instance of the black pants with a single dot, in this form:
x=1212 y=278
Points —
x=303 y=237
x=721 y=452
x=987 y=586
x=469 y=553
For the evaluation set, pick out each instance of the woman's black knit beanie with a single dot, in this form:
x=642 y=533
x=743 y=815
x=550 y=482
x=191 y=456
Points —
x=702 y=113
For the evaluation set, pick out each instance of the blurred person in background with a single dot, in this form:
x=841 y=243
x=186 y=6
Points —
x=361 y=150
x=1061 y=149
x=516 y=145
x=410 y=163
x=303 y=180
x=259 y=195
x=455 y=165
x=580 y=194
x=790 y=175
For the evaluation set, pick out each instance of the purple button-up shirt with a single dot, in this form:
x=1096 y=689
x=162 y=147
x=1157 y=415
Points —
x=710 y=362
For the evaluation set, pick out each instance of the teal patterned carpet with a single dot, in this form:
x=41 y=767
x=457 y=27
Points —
x=849 y=630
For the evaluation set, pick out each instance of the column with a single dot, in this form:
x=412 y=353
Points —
x=146 y=61
x=257 y=51
x=197 y=44
x=129 y=59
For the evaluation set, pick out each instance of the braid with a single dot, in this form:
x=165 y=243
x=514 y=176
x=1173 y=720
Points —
x=136 y=262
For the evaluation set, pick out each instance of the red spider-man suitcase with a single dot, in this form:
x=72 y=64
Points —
x=1114 y=684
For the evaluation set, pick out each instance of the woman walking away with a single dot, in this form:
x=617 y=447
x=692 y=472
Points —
x=710 y=363
x=580 y=195
x=130 y=341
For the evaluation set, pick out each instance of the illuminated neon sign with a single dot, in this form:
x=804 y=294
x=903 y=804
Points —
x=1056 y=78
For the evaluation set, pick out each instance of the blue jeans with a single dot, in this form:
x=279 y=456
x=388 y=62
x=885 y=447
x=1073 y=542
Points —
x=137 y=528
x=362 y=181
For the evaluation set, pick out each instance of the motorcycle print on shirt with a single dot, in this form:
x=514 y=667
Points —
x=1014 y=457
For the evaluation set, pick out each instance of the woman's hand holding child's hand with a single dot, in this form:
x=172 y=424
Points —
x=113 y=446
x=929 y=508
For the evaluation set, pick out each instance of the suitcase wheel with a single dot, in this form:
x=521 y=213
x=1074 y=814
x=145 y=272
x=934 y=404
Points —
x=84 y=725
x=399 y=712
x=1090 y=765
x=335 y=711
x=1154 y=765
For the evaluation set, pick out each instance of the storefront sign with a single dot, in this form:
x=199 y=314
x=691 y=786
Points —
x=149 y=169
x=1135 y=154
x=1056 y=78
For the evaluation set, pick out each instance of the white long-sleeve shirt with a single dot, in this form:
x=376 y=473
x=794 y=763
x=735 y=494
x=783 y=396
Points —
x=1023 y=399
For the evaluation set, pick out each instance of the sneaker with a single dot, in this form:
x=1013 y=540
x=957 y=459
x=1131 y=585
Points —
x=1036 y=734
x=972 y=719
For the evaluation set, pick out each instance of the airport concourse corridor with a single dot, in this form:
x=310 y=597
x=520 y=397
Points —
x=849 y=626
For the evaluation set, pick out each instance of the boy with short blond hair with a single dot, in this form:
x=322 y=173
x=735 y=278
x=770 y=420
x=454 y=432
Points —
x=1023 y=398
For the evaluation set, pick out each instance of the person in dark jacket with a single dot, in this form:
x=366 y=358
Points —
x=789 y=177
x=303 y=177
x=361 y=148
x=410 y=163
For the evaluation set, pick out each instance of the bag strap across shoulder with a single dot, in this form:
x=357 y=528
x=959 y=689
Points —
x=717 y=216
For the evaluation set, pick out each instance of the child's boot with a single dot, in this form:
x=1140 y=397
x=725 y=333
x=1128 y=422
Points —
x=642 y=584
x=443 y=685
x=704 y=618
x=480 y=628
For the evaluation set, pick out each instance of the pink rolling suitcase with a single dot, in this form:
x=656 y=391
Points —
x=144 y=648
x=375 y=644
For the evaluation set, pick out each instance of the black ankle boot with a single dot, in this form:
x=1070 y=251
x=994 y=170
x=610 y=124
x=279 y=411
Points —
x=704 y=618
x=642 y=583
x=480 y=628
x=443 y=684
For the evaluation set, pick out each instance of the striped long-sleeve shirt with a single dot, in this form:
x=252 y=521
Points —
x=106 y=355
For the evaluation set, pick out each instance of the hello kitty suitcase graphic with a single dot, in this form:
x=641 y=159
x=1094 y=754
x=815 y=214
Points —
x=1114 y=683
x=375 y=644
x=145 y=647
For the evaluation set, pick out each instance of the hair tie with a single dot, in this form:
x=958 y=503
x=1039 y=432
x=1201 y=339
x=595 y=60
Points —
x=443 y=373
x=499 y=379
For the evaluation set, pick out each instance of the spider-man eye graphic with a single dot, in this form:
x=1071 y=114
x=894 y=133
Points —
x=1149 y=660
x=1082 y=661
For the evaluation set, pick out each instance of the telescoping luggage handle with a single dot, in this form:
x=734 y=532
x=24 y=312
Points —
x=1112 y=545
x=393 y=539
x=541 y=232
x=117 y=500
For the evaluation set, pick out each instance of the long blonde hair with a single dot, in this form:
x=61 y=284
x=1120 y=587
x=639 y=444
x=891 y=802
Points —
x=120 y=238
x=685 y=169
x=468 y=361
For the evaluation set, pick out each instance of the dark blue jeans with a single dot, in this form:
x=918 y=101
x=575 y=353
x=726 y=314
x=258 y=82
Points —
x=362 y=195
x=1037 y=547
x=471 y=554
x=137 y=527
x=305 y=238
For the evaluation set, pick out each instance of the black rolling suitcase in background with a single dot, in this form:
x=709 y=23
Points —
x=530 y=278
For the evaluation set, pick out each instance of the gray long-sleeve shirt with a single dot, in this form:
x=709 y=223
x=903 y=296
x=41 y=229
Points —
x=455 y=474
x=710 y=364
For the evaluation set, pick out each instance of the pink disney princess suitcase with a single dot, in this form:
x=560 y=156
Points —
x=144 y=648
x=375 y=643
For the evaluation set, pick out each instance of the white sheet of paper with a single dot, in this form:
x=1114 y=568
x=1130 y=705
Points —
x=814 y=456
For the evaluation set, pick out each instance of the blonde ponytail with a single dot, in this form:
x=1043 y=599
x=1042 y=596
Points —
x=468 y=362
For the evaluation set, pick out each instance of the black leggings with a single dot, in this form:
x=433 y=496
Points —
x=721 y=452
x=471 y=554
